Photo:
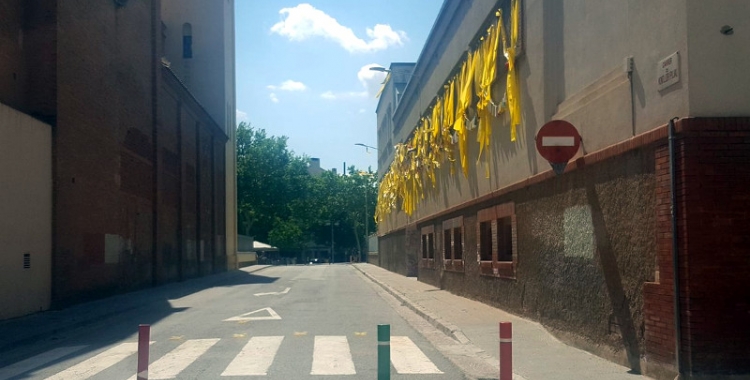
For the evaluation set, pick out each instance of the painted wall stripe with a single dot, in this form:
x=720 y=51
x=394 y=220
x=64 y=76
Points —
x=175 y=361
x=331 y=356
x=98 y=363
x=255 y=358
x=558 y=141
x=407 y=358
x=37 y=361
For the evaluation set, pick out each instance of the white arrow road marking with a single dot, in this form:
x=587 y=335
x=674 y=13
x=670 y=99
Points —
x=37 y=361
x=98 y=363
x=255 y=358
x=407 y=358
x=273 y=293
x=171 y=364
x=558 y=141
x=331 y=356
x=246 y=317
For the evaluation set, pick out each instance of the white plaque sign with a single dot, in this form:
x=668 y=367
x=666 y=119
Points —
x=668 y=72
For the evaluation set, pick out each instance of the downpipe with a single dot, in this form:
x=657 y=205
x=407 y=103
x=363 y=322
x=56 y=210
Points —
x=675 y=252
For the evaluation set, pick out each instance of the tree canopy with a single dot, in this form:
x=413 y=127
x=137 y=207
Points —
x=279 y=202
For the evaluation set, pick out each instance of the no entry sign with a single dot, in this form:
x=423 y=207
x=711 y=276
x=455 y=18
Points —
x=558 y=141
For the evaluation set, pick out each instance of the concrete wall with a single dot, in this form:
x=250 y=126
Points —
x=585 y=247
x=719 y=63
x=25 y=213
x=572 y=67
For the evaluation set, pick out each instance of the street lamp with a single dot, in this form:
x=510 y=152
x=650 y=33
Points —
x=380 y=68
x=332 y=224
x=367 y=147
x=367 y=222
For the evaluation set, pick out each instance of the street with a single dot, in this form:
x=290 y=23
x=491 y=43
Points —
x=285 y=322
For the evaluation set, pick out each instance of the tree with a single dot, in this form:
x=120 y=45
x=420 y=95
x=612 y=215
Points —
x=279 y=202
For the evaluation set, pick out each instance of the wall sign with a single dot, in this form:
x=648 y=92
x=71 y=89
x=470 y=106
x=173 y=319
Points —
x=668 y=71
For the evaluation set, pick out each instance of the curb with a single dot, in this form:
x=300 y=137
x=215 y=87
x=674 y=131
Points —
x=446 y=327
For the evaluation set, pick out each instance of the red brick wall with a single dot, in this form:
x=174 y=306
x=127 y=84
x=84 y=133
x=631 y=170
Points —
x=28 y=47
x=122 y=171
x=713 y=209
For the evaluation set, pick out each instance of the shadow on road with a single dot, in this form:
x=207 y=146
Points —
x=102 y=322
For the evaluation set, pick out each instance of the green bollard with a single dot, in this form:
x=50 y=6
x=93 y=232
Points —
x=384 y=352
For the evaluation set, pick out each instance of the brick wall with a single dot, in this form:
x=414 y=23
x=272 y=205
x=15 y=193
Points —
x=713 y=210
x=28 y=47
x=136 y=192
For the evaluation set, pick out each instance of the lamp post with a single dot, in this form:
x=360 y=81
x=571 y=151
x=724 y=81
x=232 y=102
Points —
x=367 y=217
x=332 y=244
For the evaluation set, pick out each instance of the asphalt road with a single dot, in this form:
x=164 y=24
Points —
x=287 y=322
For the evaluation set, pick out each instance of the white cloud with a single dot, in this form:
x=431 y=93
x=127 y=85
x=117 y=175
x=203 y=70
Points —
x=289 y=85
x=371 y=80
x=330 y=95
x=305 y=21
x=273 y=97
x=241 y=116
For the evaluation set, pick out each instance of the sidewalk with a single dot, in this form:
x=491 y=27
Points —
x=34 y=327
x=537 y=355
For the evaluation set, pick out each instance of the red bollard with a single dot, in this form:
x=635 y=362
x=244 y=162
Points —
x=143 y=342
x=506 y=351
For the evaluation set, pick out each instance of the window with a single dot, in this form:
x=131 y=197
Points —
x=497 y=241
x=187 y=40
x=428 y=247
x=453 y=248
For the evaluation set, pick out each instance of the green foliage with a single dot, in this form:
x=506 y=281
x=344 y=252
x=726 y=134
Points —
x=280 y=203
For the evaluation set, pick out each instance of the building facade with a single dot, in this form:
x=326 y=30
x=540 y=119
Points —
x=467 y=204
x=141 y=163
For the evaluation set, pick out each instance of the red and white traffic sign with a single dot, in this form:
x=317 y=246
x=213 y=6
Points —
x=558 y=141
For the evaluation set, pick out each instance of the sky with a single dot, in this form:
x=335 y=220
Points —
x=303 y=69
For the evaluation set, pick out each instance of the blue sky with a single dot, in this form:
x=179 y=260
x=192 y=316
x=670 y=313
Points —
x=302 y=69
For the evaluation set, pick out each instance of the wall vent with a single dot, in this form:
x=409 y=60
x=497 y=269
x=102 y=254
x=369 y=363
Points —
x=26 y=261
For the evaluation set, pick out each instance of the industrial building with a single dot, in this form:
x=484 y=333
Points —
x=658 y=92
x=117 y=123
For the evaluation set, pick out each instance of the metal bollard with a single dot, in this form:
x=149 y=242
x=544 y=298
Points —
x=143 y=343
x=506 y=351
x=384 y=352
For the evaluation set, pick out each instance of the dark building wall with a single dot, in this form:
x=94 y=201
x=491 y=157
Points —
x=28 y=48
x=135 y=160
x=168 y=212
x=713 y=211
x=104 y=158
x=191 y=177
x=584 y=247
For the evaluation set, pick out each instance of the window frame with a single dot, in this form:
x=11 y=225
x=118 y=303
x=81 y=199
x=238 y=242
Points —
x=494 y=215
x=450 y=227
x=427 y=247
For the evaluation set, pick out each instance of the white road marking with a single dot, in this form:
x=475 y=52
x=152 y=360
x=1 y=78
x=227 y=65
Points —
x=285 y=291
x=98 y=363
x=558 y=141
x=246 y=317
x=37 y=361
x=331 y=356
x=174 y=362
x=255 y=358
x=407 y=358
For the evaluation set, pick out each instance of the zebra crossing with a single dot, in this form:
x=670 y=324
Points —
x=331 y=355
